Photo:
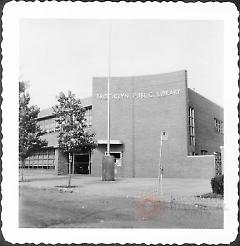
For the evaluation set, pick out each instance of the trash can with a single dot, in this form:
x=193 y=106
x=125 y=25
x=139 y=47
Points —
x=108 y=167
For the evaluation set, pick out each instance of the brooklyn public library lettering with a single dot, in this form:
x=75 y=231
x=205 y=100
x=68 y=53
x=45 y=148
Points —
x=139 y=95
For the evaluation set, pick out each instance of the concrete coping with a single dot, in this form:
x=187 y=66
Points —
x=111 y=141
x=200 y=156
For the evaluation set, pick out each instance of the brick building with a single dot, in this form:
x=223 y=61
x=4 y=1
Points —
x=141 y=108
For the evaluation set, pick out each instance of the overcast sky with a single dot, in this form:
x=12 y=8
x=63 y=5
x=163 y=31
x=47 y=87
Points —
x=64 y=54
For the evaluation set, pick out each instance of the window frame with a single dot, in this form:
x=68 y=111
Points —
x=219 y=125
x=191 y=125
x=116 y=152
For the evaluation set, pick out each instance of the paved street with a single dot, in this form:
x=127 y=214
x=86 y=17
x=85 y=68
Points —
x=124 y=203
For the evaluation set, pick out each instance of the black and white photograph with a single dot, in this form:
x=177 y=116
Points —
x=115 y=121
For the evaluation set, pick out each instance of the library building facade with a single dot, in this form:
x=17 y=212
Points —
x=141 y=109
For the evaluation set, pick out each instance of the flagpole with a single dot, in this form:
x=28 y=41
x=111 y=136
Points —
x=108 y=89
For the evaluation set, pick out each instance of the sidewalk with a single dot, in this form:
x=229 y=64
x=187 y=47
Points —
x=176 y=191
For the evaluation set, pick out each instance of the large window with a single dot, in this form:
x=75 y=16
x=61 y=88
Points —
x=218 y=125
x=191 y=123
x=43 y=158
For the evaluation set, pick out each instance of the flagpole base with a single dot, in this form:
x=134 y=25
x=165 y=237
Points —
x=108 y=167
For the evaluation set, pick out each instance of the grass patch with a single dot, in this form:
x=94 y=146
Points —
x=211 y=195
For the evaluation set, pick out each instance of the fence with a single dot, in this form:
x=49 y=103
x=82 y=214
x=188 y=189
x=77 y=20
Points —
x=218 y=163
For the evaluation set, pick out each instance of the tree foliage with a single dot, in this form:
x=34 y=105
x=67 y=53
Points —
x=29 y=130
x=74 y=134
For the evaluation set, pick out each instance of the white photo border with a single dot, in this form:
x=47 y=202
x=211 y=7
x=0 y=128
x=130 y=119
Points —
x=12 y=13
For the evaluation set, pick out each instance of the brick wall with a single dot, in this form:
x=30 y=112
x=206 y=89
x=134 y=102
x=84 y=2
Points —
x=198 y=167
x=138 y=121
x=207 y=138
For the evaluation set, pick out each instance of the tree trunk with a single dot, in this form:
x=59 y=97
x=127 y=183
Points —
x=22 y=167
x=69 y=169
x=73 y=164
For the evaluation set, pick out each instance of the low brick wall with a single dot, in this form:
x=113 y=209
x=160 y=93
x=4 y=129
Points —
x=199 y=167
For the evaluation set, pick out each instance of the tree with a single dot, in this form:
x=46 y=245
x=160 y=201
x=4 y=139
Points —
x=74 y=134
x=29 y=130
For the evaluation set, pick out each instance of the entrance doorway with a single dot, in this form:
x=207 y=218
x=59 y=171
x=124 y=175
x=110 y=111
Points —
x=82 y=164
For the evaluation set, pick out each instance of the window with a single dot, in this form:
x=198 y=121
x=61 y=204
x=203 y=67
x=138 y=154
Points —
x=43 y=159
x=88 y=116
x=191 y=124
x=41 y=124
x=218 y=125
x=48 y=125
x=204 y=152
x=51 y=125
x=117 y=157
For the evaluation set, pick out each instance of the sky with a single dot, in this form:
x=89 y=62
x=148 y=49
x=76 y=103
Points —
x=65 y=54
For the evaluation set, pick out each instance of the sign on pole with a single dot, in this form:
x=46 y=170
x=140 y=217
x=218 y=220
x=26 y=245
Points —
x=164 y=137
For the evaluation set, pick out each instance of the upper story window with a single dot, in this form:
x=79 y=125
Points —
x=218 y=125
x=88 y=116
x=191 y=124
x=48 y=125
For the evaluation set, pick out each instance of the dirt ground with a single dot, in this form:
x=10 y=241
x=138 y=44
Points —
x=122 y=204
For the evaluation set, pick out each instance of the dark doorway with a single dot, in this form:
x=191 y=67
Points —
x=81 y=164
